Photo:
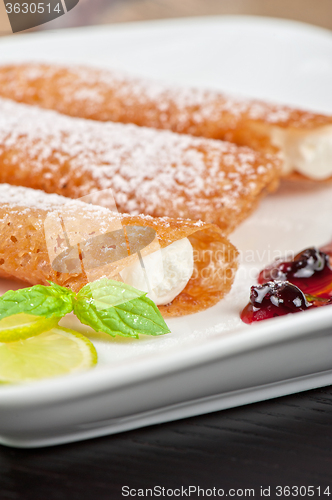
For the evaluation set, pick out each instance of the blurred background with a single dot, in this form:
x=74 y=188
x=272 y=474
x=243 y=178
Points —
x=92 y=12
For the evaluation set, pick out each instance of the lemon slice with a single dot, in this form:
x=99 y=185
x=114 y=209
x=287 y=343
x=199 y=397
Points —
x=21 y=326
x=56 y=352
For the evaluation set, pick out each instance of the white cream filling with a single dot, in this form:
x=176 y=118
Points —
x=165 y=274
x=309 y=153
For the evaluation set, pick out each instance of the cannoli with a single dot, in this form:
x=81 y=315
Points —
x=154 y=172
x=46 y=237
x=303 y=139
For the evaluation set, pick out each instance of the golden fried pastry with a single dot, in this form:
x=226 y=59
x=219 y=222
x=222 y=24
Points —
x=304 y=139
x=154 y=172
x=48 y=237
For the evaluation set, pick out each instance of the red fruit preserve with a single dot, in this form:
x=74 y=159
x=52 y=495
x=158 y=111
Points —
x=291 y=286
x=310 y=271
x=274 y=298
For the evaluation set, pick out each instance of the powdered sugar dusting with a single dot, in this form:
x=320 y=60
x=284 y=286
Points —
x=35 y=199
x=192 y=104
x=29 y=198
x=149 y=171
x=93 y=86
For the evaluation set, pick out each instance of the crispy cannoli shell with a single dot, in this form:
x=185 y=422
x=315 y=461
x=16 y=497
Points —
x=149 y=171
x=300 y=178
x=105 y=95
x=24 y=253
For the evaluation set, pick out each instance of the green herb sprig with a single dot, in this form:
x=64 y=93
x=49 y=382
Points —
x=105 y=305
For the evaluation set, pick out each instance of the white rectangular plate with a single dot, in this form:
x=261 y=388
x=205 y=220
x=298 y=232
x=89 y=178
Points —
x=211 y=360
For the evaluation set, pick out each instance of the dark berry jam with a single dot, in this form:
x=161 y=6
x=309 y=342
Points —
x=274 y=298
x=292 y=286
x=310 y=271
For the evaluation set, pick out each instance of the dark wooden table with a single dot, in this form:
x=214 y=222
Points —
x=287 y=441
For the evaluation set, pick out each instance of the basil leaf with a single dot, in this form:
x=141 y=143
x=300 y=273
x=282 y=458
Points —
x=106 y=293
x=48 y=301
x=118 y=309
